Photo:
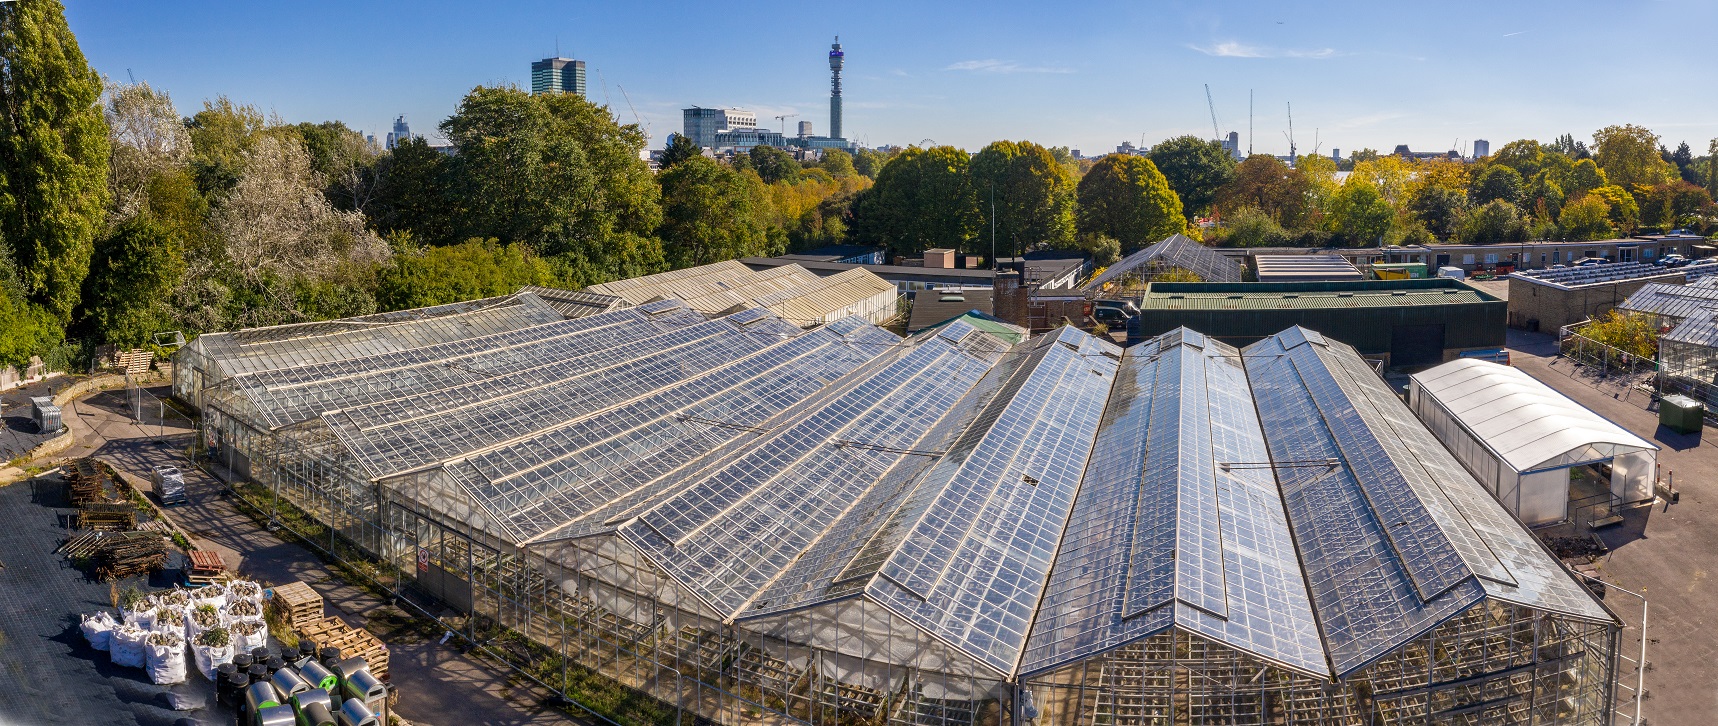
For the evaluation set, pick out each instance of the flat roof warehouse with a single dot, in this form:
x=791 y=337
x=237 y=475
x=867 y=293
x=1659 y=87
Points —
x=947 y=528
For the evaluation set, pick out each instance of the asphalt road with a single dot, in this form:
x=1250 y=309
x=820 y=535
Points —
x=1668 y=553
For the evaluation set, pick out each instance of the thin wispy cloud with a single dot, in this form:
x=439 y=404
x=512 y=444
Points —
x=992 y=65
x=1232 y=49
x=1511 y=35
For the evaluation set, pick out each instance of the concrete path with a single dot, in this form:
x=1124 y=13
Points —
x=438 y=684
x=1669 y=553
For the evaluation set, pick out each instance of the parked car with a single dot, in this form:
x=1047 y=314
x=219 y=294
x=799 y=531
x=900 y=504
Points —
x=1672 y=260
x=1111 y=316
x=1126 y=306
x=1584 y=261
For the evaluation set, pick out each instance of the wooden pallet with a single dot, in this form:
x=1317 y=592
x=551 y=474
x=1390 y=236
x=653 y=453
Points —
x=298 y=603
x=206 y=568
x=117 y=517
x=332 y=632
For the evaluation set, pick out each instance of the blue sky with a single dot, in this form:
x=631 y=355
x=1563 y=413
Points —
x=1083 y=74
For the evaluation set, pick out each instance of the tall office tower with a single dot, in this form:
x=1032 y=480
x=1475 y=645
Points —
x=1481 y=147
x=401 y=133
x=558 y=75
x=805 y=129
x=836 y=59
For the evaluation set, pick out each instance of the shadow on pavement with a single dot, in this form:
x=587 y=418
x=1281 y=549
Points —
x=1676 y=441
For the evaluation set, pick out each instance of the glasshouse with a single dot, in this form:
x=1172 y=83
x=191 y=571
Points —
x=672 y=517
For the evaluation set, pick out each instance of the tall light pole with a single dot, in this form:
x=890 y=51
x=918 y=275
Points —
x=993 y=264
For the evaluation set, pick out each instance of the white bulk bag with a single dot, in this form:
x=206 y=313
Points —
x=166 y=658
x=126 y=646
x=98 y=630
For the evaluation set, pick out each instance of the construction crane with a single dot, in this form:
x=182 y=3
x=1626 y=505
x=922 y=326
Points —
x=1290 y=134
x=604 y=82
x=635 y=117
x=1216 y=133
x=783 y=119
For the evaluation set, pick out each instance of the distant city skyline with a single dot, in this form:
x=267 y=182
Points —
x=1088 y=76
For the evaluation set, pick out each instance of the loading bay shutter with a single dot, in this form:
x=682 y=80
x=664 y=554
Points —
x=1416 y=345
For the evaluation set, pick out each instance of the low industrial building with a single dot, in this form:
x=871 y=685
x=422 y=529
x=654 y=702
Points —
x=850 y=254
x=753 y=522
x=1548 y=300
x=1520 y=438
x=1305 y=268
x=1535 y=255
x=1401 y=322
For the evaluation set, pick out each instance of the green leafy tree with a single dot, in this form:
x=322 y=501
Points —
x=1525 y=156
x=1494 y=222
x=1103 y=248
x=1439 y=208
x=556 y=172
x=1633 y=333
x=147 y=138
x=412 y=193
x=1497 y=182
x=1252 y=227
x=1196 y=169
x=869 y=162
x=712 y=213
x=774 y=165
x=1669 y=205
x=1124 y=197
x=53 y=154
x=26 y=329
x=1034 y=195
x=1359 y=213
x=1586 y=218
x=1267 y=184
x=221 y=134
x=343 y=159
x=466 y=271
x=134 y=270
x=838 y=163
x=1683 y=159
x=1629 y=155
x=923 y=198
x=679 y=148
x=1625 y=212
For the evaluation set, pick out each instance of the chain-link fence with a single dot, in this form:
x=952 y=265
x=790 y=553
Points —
x=154 y=414
x=1608 y=365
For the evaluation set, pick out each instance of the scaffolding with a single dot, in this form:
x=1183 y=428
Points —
x=669 y=518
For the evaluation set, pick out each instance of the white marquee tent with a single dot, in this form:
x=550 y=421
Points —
x=1520 y=437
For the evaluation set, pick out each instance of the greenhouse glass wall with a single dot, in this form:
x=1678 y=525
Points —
x=669 y=517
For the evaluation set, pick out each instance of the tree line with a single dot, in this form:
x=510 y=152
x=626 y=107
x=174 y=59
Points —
x=122 y=217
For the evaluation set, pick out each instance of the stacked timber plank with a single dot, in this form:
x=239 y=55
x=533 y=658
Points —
x=104 y=517
x=89 y=481
x=298 y=604
x=332 y=632
x=119 y=554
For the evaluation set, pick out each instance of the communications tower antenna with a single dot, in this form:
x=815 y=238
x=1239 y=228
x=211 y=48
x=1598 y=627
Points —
x=1216 y=133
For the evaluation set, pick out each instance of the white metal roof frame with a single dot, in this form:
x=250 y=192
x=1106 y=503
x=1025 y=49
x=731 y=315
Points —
x=1527 y=424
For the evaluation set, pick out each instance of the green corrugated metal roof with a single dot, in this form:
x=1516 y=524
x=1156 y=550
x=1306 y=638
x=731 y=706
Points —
x=1289 y=300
